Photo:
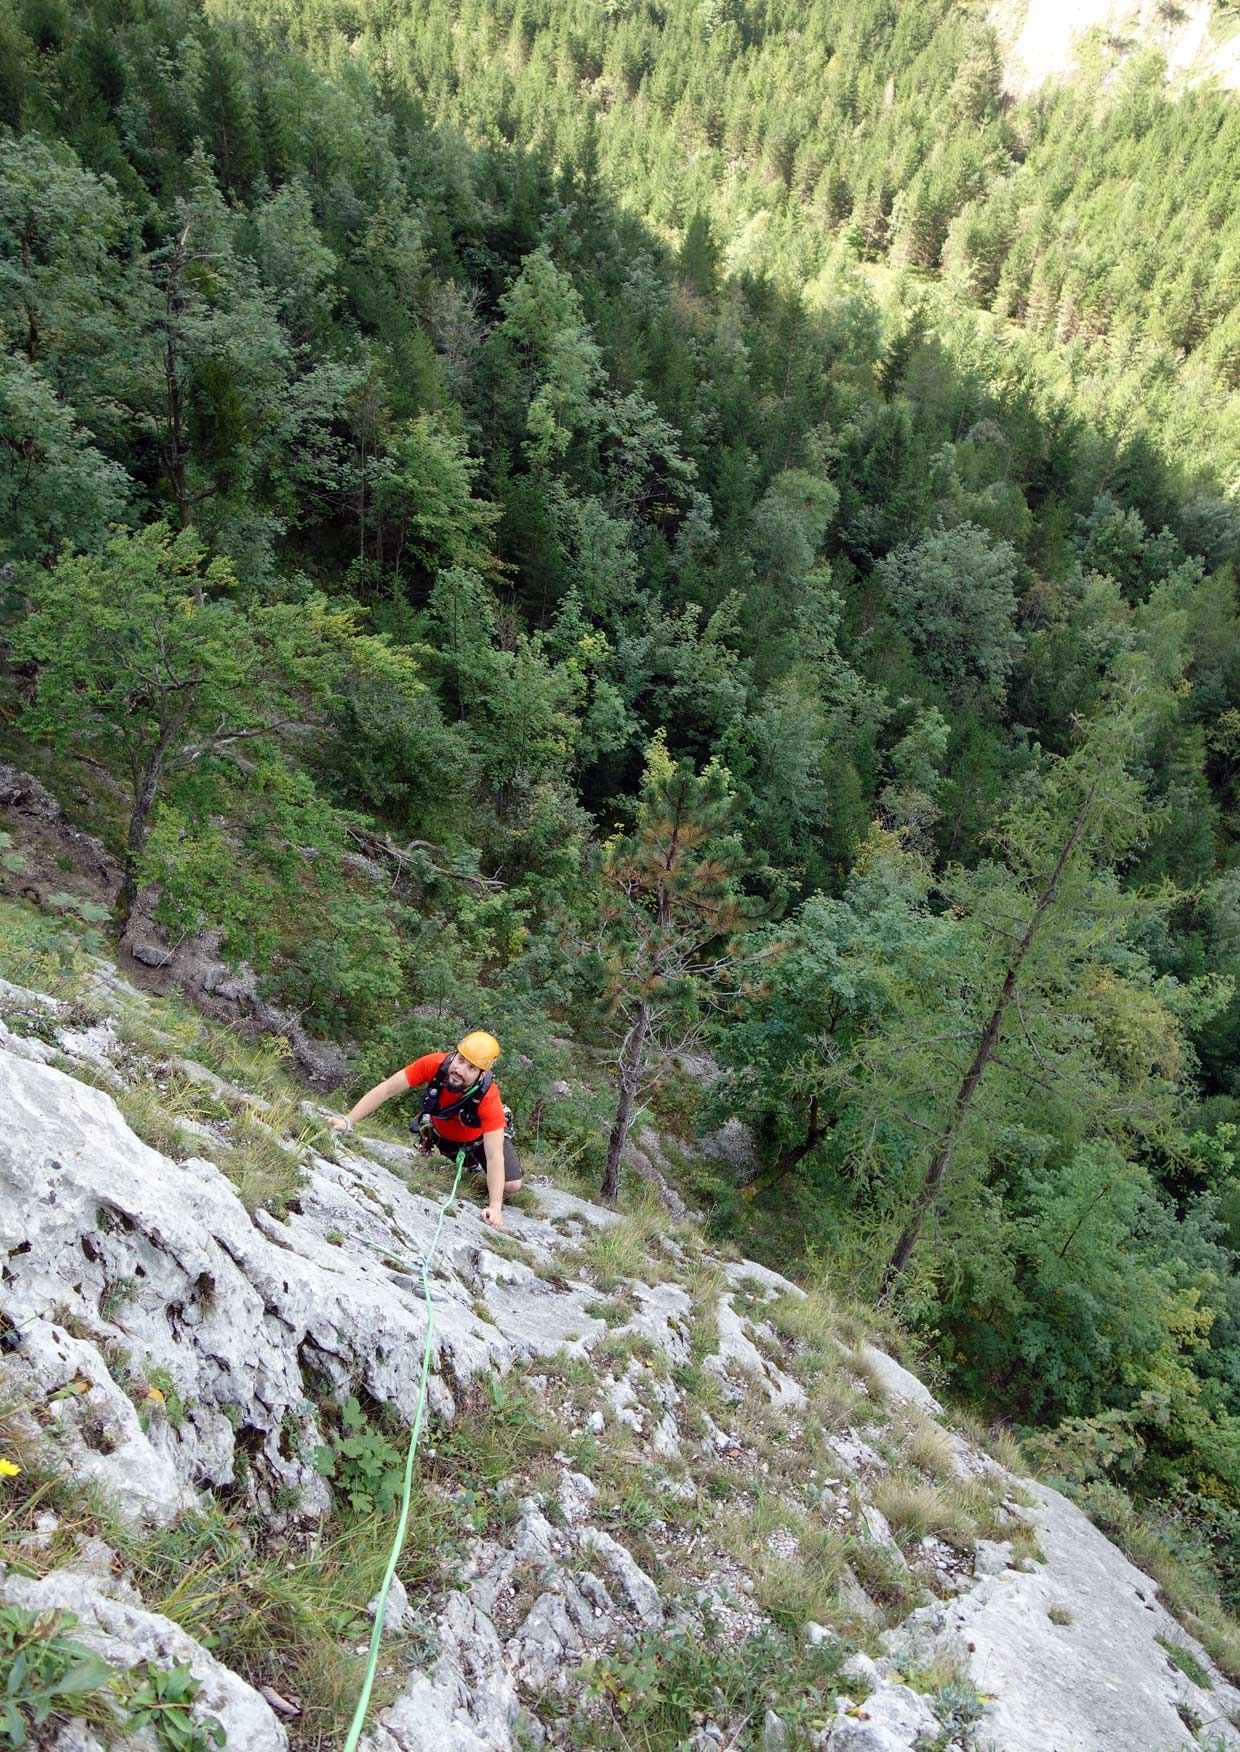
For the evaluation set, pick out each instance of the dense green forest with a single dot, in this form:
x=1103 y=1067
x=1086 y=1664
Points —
x=637 y=525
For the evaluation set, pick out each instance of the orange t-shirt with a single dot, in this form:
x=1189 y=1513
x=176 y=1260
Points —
x=490 y=1108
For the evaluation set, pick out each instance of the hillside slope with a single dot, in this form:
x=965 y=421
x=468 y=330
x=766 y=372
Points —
x=1042 y=39
x=666 y=1499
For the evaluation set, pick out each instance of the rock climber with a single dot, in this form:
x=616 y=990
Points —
x=461 y=1108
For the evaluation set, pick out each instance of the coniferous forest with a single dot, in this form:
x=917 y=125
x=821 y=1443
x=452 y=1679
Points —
x=704 y=523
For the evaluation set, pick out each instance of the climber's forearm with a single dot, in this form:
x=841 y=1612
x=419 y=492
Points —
x=374 y=1098
x=493 y=1146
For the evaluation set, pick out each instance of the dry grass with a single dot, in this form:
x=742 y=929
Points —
x=1024 y=1543
x=858 y=1364
x=811 y=1319
x=833 y=1402
x=930 y=1449
x=791 y=1588
x=890 y=1586
x=145 y=1113
x=993 y=1439
x=916 y=1509
x=625 y=1249
x=795 y=1591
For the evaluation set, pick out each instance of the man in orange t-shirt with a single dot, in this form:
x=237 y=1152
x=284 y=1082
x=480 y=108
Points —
x=461 y=1110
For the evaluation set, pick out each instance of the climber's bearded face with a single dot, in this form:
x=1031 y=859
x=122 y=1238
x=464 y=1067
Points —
x=461 y=1073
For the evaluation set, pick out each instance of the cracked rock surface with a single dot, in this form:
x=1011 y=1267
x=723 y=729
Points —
x=116 y=1258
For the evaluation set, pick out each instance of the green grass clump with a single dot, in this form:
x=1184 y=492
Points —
x=887 y=1582
x=915 y=1509
x=287 y=1615
x=500 y=1431
x=930 y=1449
x=42 y=954
x=1187 y=1662
x=625 y=1249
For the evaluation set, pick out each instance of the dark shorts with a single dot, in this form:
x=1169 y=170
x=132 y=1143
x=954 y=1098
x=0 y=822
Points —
x=475 y=1157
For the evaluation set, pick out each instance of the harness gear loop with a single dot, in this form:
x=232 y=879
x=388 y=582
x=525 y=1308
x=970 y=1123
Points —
x=402 y=1525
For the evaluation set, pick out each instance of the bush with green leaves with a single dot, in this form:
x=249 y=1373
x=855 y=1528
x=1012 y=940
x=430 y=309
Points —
x=347 y=975
x=657 y=1688
x=362 y=1463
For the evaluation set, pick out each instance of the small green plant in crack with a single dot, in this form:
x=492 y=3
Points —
x=959 y=1707
x=47 y=1680
x=630 y=1508
x=659 y=1688
x=116 y=1293
x=362 y=1463
x=1059 y=1615
x=1187 y=1662
x=164 y=1702
x=749 y=1296
x=161 y=1398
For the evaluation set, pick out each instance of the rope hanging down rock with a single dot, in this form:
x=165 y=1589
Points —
x=363 y=1702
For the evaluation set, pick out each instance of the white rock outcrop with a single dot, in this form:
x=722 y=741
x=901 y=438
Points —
x=1090 y=1679
x=116 y=1261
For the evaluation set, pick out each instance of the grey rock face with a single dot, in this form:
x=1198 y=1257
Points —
x=892 y=1719
x=896 y=1381
x=634 y=1584
x=879 y=1531
x=163 y=1258
x=108 y=1243
x=992 y=1557
x=774 y=1733
x=465 y=1702
x=1096 y=1684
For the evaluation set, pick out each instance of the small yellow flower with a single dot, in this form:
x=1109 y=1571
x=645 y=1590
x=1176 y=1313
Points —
x=9 y=1468
x=156 y=1395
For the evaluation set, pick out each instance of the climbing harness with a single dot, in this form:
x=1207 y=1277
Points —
x=464 y=1110
x=363 y=1702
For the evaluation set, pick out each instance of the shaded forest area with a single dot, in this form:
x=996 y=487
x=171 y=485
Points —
x=511 y=500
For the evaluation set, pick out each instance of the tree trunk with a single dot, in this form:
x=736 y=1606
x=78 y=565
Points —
x=631 y=1056
x=139 y=827
x=788 y=1159
x=941 y=1157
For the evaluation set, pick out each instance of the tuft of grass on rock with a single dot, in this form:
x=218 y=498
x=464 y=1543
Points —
x=1182 y=1657
x=930 y=1449
x=916 y=1508
x=892 y=1588
x=291 y=1616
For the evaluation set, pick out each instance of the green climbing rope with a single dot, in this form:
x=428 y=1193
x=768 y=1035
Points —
x=363 y=1702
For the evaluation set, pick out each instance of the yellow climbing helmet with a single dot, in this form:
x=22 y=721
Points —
x=480 y=1049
